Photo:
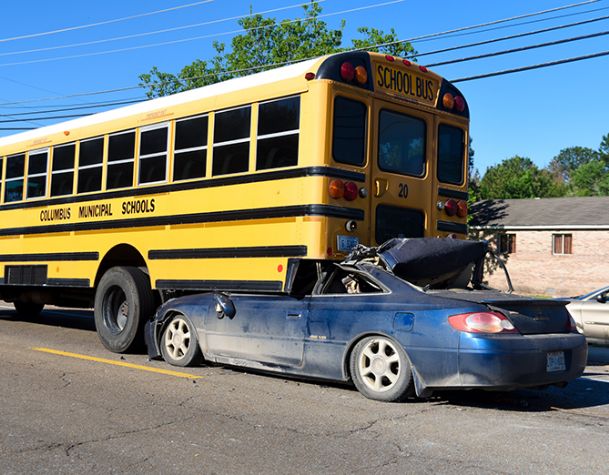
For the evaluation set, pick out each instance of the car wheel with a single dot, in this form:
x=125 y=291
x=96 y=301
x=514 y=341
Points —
x=28 y=309
x=380 y=369
x=179 y=345
x=123 y=302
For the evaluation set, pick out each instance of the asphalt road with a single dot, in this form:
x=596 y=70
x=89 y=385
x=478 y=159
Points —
x=60 y=413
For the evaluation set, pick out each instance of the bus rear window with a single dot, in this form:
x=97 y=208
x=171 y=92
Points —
x=349 y=142
x=451 y=141
x=401 y=144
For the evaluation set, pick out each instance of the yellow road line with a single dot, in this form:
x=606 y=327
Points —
x=116 y=363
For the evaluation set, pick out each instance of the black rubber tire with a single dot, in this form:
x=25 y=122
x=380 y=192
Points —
x=123 y=303
x=28 y=309
x=361 y=369
x=173 y=352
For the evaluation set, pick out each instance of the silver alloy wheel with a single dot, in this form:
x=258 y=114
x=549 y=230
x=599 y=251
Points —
x=177 y=338
x=379 y=365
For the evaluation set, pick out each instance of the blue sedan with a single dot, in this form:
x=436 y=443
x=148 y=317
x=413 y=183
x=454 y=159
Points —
x=393 y=324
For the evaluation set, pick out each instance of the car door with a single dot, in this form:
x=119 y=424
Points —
x=269 y=329
x=595 y=318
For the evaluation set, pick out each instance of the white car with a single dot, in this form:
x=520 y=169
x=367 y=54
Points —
x=591 y=315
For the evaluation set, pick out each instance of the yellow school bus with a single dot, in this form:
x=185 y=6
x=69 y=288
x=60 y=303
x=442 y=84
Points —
x=238 y=186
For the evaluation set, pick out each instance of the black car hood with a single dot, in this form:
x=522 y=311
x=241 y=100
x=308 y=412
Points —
x=432 y=261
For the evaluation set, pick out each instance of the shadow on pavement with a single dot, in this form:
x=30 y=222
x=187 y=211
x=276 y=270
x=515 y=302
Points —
x=68 y=318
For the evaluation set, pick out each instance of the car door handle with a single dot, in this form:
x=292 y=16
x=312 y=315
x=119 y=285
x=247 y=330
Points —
x=294 y=315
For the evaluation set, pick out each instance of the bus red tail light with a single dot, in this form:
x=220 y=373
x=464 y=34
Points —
x=462 y=208
x=351 y=191
x=481 y=322
x=347 y=71
x=336 y=189
x=450 y=207
x=459 y=104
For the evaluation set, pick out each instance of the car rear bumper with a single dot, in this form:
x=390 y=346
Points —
x=518 y=361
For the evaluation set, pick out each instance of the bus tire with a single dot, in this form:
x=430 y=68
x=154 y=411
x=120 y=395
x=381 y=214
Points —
x=123 y=303
x=28 y=309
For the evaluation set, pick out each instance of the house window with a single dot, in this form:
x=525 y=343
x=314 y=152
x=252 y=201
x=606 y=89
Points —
x=562 y=244
x=507 y=243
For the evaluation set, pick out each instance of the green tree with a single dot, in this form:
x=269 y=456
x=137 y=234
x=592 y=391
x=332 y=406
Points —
x=267 y=43
x=518 y=177
x=603 y=149
x=591 y=179
x=570 y=159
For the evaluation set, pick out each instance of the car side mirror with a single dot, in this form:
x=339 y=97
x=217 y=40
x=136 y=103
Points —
x=602 y=298
x=224 y=306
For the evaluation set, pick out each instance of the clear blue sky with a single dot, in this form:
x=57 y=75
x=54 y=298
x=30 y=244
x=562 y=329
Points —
x=534 y=114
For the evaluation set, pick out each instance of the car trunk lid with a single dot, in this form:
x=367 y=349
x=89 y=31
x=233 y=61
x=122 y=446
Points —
x=530 y=316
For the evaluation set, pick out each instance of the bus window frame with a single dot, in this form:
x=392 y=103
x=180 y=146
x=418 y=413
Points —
x=248 y=139
x=412 y=113
x=139 y=157
x=101 y=164
x=63 y=170
x=21 y=177
x=108 y=163
x=465 y=152
x=365 y=101
x=291 y=132
x=45 y=174
x=203 y=148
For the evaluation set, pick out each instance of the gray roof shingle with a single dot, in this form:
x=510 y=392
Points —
x=574 y=211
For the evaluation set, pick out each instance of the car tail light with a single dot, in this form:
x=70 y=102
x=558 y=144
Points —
x=347 y=71
x=462 y=208
x=571 y=326
x=336 y=189
x=482 y=322
x=350 y=191
x=450 y=207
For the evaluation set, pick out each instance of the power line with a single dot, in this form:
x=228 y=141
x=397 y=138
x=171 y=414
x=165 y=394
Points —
x=528 y=68
x=511 y=37
x=480 y=25
x=49 y=117
x=193 y=38
x=98 y=105
x=156 y=32
x=87 y=104
x=105 y=22
x=521 y=48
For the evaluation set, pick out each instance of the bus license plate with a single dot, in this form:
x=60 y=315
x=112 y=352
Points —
x=346 y=243
x=555 y=361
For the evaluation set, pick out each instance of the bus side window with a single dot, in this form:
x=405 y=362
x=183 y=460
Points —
x=37 y=169
x=278 y=128
x=153 y=154
x=121 y=153
x=231 y=141
x=62 y=170
x=90 y=161
x=13 y=184
x=190 y=148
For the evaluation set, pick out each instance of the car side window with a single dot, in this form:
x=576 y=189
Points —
x=340 y=281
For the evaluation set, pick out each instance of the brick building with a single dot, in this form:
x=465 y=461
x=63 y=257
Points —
x=552 y=246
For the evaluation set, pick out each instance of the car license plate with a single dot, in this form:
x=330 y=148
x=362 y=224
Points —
x=555 y=361
x=346 y=243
